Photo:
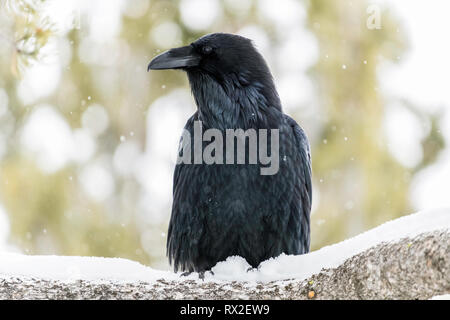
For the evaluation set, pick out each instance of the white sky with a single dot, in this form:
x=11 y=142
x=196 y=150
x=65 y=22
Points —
x=422 y=77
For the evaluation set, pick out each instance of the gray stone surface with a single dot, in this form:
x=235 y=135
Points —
x=417 y=268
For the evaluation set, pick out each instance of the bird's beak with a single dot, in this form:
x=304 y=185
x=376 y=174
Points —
x=177 y=58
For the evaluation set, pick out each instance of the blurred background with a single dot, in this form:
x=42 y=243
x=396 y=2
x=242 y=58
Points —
x=83 y=166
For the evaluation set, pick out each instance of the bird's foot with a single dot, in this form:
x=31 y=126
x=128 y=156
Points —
x=186 y=274
x=201 y=274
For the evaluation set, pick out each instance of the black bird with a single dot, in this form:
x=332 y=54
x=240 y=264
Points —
x=222 y=210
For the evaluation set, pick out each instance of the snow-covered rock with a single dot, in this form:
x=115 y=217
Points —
x=411 y=254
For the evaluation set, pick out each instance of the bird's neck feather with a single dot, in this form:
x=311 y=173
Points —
x=230 y=103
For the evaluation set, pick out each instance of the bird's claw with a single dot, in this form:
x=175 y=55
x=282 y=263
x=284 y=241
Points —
x=186 y=274
x=201 y=274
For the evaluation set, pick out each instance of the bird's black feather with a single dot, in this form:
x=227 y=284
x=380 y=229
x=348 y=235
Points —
x=222 y=210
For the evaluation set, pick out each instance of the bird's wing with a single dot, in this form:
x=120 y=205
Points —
x=178 y=249
x=303 y=197
x=179 y=167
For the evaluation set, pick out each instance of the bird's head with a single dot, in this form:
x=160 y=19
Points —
x=221 y=56
x=217 y=54
x=222 y=63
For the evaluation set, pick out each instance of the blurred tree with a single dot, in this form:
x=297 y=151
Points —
x=359 y=183
x=49 y=212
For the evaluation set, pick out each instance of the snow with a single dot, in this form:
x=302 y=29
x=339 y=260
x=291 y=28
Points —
x=234 y=268
x=442 y=297
x=302 y=267
x=76 y=268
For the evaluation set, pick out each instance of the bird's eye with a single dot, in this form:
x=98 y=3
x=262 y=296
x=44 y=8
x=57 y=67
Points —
x=207 y=49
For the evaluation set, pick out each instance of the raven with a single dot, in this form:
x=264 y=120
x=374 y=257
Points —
x=221 y=210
